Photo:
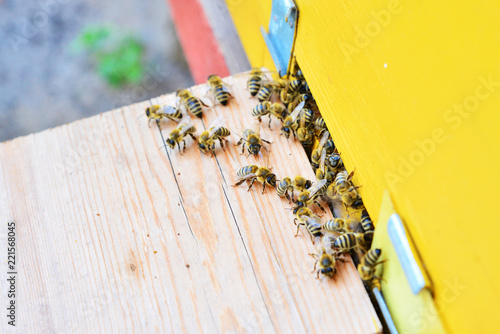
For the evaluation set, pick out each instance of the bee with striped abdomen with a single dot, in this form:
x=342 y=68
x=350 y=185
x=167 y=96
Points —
x=188 y=101
x=366 y=222
x=265 y=92
x=316 y=153
x=251 y=139
x=326 y=262
x=319 y=125
x=179 y=133
x=219 y=89
x=346 y=242
x=254 y=172
x=336 y=225
x=298 y=183
x=283 y=187
x=272 y=109
x=289 y=124
x=305 y=136
x=215 y=131
x=366 y=267
x=158 y=113
x=294 y=86
x=255 y=81
x=310 y=220
x=307 y=197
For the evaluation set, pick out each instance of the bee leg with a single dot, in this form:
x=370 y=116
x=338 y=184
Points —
x=317 y=203
x=263 y=187
x=317 y=274
x=251 y=184
x=179 y=147
x=193 y=137
x=312 y=239
x=298 y=227
x=184 y=147
x=260 y=119
x=270 y=119
x=221 y=143
x=315 y=263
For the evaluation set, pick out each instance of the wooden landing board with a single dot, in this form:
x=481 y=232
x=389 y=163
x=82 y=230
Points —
x=114 y=235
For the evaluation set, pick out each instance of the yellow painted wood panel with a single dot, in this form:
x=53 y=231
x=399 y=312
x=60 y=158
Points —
x=411 y=93
x=248 y=17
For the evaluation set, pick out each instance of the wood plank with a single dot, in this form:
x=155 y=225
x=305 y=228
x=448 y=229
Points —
x=107 y=224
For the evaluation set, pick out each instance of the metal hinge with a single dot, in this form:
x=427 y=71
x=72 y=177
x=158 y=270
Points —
x=281 y=36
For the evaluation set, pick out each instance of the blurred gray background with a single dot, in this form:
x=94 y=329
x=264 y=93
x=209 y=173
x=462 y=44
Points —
x=43 y=83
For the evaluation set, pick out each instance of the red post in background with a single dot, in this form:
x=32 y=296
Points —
x=200 y=47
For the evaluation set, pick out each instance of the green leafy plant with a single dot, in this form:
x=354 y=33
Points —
x=118 y=58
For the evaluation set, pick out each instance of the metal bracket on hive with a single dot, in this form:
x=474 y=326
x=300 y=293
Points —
x=406 y=294
x=281 y=36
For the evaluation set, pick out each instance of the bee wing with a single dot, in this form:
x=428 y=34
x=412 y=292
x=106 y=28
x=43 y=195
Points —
x=226 y=88
x=216 y=124
x=246 y=177
x=322 y=160
x=324 y=139
x=297 y=110
x=311 y=220
x=188 y=124
x=167 y=110
x=315 y=187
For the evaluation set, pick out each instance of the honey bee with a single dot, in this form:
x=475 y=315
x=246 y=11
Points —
x=337 y=225
x=334 y=162
x=310 y=220
x=309 y=196
x=219 y=89
x=346 y=242
x=316 y=153
x=265 y=92
x=294 y=86
x=215 y=131
x=179 y=133
x=365 y=240
x=330 y=146
x=319 y=125
x=366 y=222
x=299 y=183
x=158 y=112
x=255 y=81
x=289 y=124
x=342 y=181
x=190 y=102
x=254 y=172
x=326 y=263
x=272 y=109
x=251 y=139
x=324 y=173
x=284 y=187
x=366 y=267
x=350 y=196
x=305 y=136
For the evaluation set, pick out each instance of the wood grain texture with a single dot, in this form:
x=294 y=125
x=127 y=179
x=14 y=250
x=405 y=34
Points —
x=114 y=235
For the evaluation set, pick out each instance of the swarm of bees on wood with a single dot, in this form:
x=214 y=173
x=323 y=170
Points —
x=291 y=103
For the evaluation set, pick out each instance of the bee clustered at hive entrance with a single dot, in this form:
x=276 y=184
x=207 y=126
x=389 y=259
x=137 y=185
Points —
x=289 y=104
x=168 y=238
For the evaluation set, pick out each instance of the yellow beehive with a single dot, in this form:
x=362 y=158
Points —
x=411 y=92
